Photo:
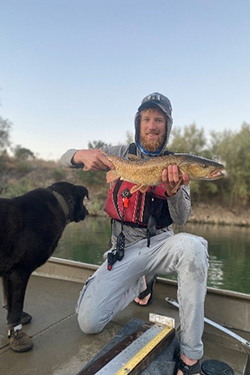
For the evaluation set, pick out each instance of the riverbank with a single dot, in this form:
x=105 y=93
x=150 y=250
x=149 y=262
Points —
x=202 y=213
x=215 y=214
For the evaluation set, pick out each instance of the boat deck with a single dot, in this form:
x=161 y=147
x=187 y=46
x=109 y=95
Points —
x=59 y=345
x=60 y=348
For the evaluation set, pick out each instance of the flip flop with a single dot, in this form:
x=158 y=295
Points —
x=149 y=289
x=188 y=369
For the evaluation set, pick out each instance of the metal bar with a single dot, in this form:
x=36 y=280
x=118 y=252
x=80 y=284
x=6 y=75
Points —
x=153 y=348
x=139 y=352
x=245 y=343
x=102 y=361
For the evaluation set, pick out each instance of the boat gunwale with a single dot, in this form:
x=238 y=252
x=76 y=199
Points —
x=94 y=267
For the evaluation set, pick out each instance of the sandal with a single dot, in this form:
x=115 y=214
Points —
x=149 y=289
x=188 y=369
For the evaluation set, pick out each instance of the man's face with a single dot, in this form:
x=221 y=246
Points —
x=152 y=129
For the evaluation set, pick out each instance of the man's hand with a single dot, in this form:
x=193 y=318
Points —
x=93 y=159
x=172 y=180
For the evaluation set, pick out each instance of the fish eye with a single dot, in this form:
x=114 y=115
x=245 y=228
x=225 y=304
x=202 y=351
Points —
x=204 y=166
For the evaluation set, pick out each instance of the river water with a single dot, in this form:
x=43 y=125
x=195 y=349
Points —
x=229 y=249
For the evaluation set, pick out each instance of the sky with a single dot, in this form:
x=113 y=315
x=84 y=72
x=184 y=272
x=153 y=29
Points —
x=75 y=71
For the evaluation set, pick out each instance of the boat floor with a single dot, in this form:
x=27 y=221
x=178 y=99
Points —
x=60 y=348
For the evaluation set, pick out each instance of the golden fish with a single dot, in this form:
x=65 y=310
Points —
x=148 y=172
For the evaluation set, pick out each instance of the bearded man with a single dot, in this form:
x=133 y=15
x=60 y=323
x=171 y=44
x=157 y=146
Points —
x=145 y=229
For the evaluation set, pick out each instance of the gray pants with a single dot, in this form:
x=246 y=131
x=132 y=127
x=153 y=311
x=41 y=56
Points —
x=108 y=292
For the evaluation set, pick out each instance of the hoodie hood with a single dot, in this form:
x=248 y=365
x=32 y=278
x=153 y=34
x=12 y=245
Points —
x=153 y=101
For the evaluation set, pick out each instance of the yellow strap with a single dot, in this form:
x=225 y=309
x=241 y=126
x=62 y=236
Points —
x=138 y=357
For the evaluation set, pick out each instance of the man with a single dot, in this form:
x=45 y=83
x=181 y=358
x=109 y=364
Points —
x=151 y=247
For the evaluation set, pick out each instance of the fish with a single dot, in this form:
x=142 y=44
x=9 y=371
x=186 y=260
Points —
x=148 y=172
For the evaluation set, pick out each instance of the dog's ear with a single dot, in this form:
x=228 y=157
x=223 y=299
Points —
x=84 y=191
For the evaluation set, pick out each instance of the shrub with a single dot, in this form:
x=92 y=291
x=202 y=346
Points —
x=19 y=188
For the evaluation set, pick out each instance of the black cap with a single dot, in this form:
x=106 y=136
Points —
x=160 y=100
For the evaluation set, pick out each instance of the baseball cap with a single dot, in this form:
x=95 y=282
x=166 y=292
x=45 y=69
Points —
x=160 y=100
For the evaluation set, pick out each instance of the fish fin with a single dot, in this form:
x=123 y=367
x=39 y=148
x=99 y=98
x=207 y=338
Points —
x=132 y=157
x=111 y=176
x=176 y=188
x=143 y=188
x=140 y=187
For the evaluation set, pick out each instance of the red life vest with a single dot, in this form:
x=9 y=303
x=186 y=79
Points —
x=140 y=206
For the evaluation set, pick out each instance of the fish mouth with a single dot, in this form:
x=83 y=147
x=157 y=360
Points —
x=217 y=173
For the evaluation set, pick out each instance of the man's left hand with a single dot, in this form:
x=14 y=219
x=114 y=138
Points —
x=172 y=179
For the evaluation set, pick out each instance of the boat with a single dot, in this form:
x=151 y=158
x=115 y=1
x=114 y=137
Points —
x=60 y=348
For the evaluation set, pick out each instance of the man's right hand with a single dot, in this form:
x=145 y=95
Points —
x=93 y=159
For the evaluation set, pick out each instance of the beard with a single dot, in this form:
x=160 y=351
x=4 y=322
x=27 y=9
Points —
x=152 y=145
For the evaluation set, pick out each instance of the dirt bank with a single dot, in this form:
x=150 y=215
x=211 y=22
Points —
x=216 y=214
x=201 y=213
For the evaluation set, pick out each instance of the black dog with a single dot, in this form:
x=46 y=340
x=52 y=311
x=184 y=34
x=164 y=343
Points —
x=30 y=228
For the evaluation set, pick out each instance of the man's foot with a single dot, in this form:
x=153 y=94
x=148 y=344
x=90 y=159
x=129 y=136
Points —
x=145 y=298
x=188 y=366
x=143 y=301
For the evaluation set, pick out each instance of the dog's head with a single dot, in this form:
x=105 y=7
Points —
x=73 y=196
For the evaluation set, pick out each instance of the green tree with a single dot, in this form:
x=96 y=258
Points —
x=190 y=139
x=233 y=149
x=96 y=144
x=23 y=153
x=5 y=126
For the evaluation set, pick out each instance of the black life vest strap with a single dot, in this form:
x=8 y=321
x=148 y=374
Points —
x=132 y=149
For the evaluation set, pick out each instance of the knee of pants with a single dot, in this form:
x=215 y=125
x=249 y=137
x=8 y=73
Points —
x=194 y=253
x=89 y=323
